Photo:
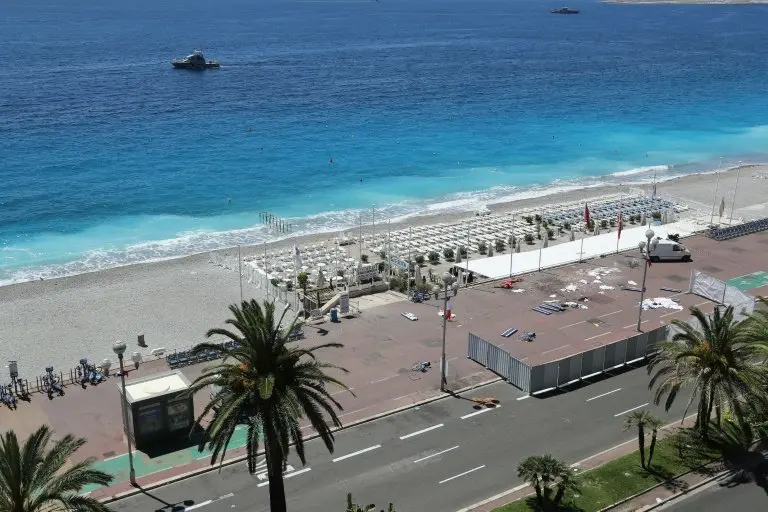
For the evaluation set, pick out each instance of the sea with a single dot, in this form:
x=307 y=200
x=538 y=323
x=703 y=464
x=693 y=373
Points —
x=326 y=113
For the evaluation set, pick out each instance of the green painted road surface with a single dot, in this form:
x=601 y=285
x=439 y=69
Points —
x=749 y=281
x=144 y=465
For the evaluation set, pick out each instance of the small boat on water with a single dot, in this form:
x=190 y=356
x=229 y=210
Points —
x=565 y=10
x=196 y=60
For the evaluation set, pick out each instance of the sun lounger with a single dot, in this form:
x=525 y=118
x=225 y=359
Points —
x=508 y=332
x=631 y=289
x=542 y=311
x=410 y=316
x=675 y=290
x=552 y=307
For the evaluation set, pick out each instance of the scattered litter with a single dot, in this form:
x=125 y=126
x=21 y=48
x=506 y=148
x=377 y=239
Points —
x=572 y=304
x=596 y=281
x=607 y=287
x=410 y=316
x=553 y=296
x=518 y=290
x=602 y=271
x=631 y=283
x=674 y=290
x=528 y=336
x=583 y=281
x=584 y=299
x=631 y=289
x=569 y=288
x=661 y=303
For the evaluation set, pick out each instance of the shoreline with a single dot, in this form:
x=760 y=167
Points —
x=688 y=2
x=174 y=302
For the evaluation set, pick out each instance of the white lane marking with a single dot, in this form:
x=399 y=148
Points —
x=406 y=396
x=287 y=475
x=493 y=498
x=226 y=496
x=571 y=325
x=702 y=303
x=554 y=349
x=263 y=474
x=115 y=457
x=630 y=410
x=364 y=450
x=412 y=434
x=611 y=313
x=593 y=337
x=461 y=474
x=601 y=396
x=342 y=391
x=385 y=378
x=633 y=325
x=201 y=504
x=353 y=412
x=523 y=397
x=436 y=454
x=669 y=314
x=481 y=411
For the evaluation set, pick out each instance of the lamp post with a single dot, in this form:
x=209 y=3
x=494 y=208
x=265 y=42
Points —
x=118 y=348
x=649 y=247
x=448 y=281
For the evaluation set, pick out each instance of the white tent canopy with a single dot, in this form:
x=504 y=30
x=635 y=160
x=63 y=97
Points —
x=568 y=252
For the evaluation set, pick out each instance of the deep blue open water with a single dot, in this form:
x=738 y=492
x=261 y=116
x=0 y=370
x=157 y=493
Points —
x=109 y=156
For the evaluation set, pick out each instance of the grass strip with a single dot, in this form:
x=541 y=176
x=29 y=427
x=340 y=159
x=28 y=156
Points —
x=621 y=478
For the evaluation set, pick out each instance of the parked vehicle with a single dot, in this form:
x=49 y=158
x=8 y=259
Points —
x=669 y=250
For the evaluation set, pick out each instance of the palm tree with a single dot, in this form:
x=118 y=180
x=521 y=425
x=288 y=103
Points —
x=543 y=471
x=719 y=361
x=268 y=384
x=352 y=507
x=643 y=420
x=33 y=478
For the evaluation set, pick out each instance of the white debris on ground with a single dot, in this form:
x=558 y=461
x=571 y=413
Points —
x=631 y=283
x=572 y=304
x=661 y=303
x=518 y=290
x=553 y=296
x=602 y=271
x=607 y=287
x=569 y=288
x=583 y=281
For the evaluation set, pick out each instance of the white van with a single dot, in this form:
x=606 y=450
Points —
x=669 y=250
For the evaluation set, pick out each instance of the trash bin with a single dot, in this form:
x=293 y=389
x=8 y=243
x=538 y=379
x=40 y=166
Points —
x=334 y=315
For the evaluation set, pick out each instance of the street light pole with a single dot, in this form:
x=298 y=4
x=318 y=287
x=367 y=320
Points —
x=119 y=348
x=649 y=246
x=447 y=281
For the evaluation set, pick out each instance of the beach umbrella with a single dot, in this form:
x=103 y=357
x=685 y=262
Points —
x=457 y=256
x=722 y=206
x=643 y=220
x=490 y=249
x=546 y=241
x=664 y=217
x=417 y=274
x=320 y=283
x=517 y=249
x=573 y=235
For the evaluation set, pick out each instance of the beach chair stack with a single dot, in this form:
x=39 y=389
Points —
x=747 y=228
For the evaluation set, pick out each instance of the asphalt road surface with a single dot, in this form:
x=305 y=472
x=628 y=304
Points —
x=442 y=456
x=715 y=498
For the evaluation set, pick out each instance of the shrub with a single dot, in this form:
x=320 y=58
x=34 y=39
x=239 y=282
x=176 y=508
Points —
x=463 y=251
x=398 y=284
x=537 y=217
x=604 y=224
x=567 y=226
x=544 y=223
x=538 y=235
x=551 y=234
x=364 y=258
x=528 y=238
x=448 y=254
x=631 y=219
x=419 y=259
x=433 y=257
x=302 y=279
x=612 y=222
x=528 y=219
x=290 y=286
x=275 y=281
x=482 y=248
x=500 y=245
x=382 y=254
x=381 y=266
x=637 y=218
x=656 y=215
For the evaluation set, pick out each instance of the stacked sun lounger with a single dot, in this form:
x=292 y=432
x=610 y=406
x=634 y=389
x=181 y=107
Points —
x=508 y=332
x=747 y=228
x=548 y=309
x=181 y=358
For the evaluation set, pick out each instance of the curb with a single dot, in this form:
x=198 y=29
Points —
x=241 y=458
x=687 y=491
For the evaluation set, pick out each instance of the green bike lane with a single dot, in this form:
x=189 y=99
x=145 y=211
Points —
x=144 y=465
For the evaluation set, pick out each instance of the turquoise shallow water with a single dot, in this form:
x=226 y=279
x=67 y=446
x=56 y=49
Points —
x=108 y=156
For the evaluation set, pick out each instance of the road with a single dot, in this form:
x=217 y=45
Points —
x=714 y=498
x=442 y=456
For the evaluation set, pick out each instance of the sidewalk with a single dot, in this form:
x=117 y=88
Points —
x=380 y=348
x=592 y=462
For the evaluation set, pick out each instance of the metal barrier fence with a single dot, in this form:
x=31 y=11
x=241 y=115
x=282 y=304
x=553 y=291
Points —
x=552 y=375
x=718 y=291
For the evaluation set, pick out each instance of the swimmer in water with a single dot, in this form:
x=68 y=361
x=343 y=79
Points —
x=229 y=200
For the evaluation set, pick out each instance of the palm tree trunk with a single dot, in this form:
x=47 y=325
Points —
x=707 y=418
x=641 y=444
x=653 y=446
x=539 y=495
x=275 y=464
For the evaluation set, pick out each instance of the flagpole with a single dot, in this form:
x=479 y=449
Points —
x=618 y=234
x=240 y=271
x=373 y=228
x=466 y=278
x=714 y=199
x=410 y=235
x=266 y=271
x=511 y=248
x=735 y=189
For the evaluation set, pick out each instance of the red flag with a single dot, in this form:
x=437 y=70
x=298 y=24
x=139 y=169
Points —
x=620 y=225
x=586 y=213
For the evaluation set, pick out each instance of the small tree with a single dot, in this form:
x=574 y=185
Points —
x=500 y=245
x=364 y=258
x=419 y=259
x=604 y=224
x=537 y=217
x=567 y=226
x=463 y=251
x=448 y=254
x=528 y=238
x=543 y=472
x=382 y=254
x=612 y=223
x=528 y=219
x=482 y=248
x=631 y=219
x=433 y=257
x=551 y=234
x=538 y=234
x=303 y=280
x=352 y=507
x=656 y=215
x=544 y=223
x=643 y=420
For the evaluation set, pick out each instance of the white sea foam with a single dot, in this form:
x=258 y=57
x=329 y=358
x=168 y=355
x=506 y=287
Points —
x=642 y=170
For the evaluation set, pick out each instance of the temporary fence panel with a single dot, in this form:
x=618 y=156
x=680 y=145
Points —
x=499 y=361
x=519 y=374
x=478 y=349
x=593 y=362
x=718 y=291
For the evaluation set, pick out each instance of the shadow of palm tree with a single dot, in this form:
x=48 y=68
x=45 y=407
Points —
x=534 y=505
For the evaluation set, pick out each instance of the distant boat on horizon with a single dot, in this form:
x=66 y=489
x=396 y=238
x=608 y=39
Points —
x=565 y=10
x=195 y=61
